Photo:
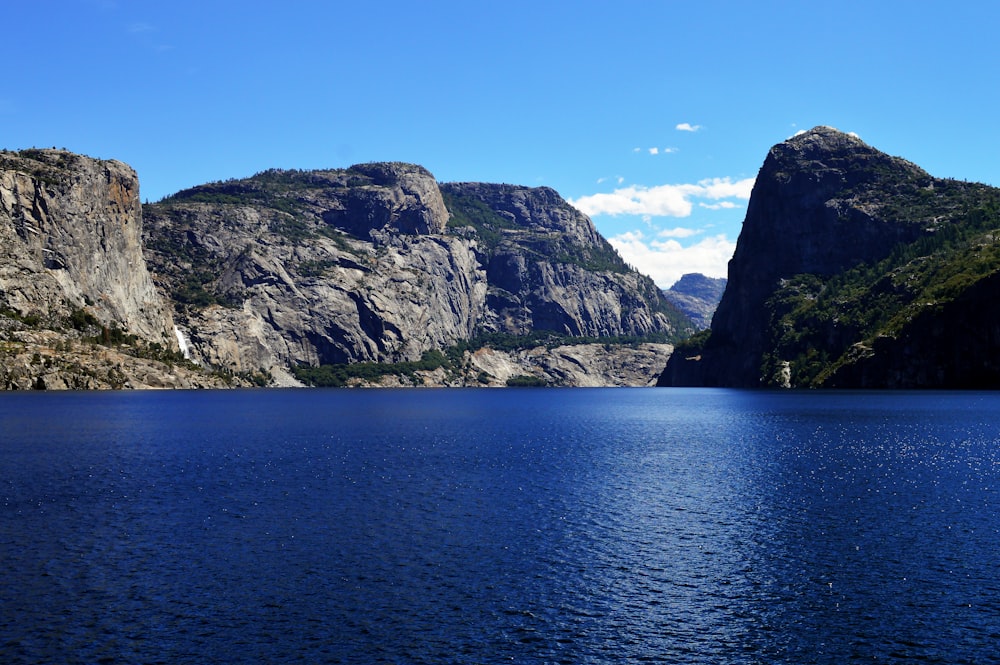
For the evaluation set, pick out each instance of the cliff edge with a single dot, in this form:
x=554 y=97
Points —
x=78 y=307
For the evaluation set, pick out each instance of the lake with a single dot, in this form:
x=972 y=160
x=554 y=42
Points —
x=488 y=526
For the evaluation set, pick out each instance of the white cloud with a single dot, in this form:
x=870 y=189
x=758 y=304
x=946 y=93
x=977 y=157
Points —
x=657 y=151
x=687 y=127
x=678 y=232
x=722 y=205
x=667 y=260
x=662 y=200
x=724 y=188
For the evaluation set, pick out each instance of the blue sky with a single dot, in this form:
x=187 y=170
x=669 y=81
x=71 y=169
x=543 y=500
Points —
x=653 y=117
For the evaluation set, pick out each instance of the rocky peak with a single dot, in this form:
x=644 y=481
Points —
x=697 y=296
x=820 y=143
x=822 y=186
x=549 y=269
x=290 y=268
x=407 y=194
x=390 y=173
x=700 y=286
x=821 y=204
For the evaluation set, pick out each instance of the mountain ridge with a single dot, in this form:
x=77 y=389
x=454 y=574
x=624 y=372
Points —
x=391 y=263
x=260 y=277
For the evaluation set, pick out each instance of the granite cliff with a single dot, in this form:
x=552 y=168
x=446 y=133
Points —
x=71 y=238
x=379 y=263
x=373 y=266
x=854 y=269
x=78 y=308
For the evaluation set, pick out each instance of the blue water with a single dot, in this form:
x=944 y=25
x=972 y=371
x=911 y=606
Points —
x=489 y=526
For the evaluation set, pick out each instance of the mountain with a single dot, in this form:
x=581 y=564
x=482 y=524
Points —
x=372 y=275
x=697 y=296
x=378 y=264
x=854 y=269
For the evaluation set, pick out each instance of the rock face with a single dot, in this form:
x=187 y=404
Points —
x=78 y=307
x=697 y=296
x=377 y=263
x=568 y=366
x=581 y=365
x=71 y=238
x=35 y=359
x=324 y=267
x=846 y=259
x=547 y=267
x=288 y=269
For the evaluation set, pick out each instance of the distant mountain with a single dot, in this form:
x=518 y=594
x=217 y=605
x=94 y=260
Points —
x=697 y=296
x=855 y=269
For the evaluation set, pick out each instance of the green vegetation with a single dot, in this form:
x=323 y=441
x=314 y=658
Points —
x=81 y=325
x=194 y=289
x=193 y=269
x=469 y=211
x=113 y=336
x=551 y=339
x=819 y=324
x=526 y=381
x=316 y=268
x=258 y=379
x=274 y=190
x=81 y=319
x=693 y=345
x=37 y=164
x=339 y=375
x=603 y=258
x=29 y=320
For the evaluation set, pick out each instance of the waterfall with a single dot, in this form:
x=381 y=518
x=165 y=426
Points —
x=182 y=343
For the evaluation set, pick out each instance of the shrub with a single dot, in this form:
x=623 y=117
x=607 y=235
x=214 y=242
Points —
x=525 y=381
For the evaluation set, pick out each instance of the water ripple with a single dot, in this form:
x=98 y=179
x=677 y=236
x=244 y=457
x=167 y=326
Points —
x=590 y=526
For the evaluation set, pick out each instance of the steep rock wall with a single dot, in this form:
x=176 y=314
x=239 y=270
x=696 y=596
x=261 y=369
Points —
x=368 y=264
x=316 y=268
x=71 y=238
x=548 y=268
x=854 y=269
